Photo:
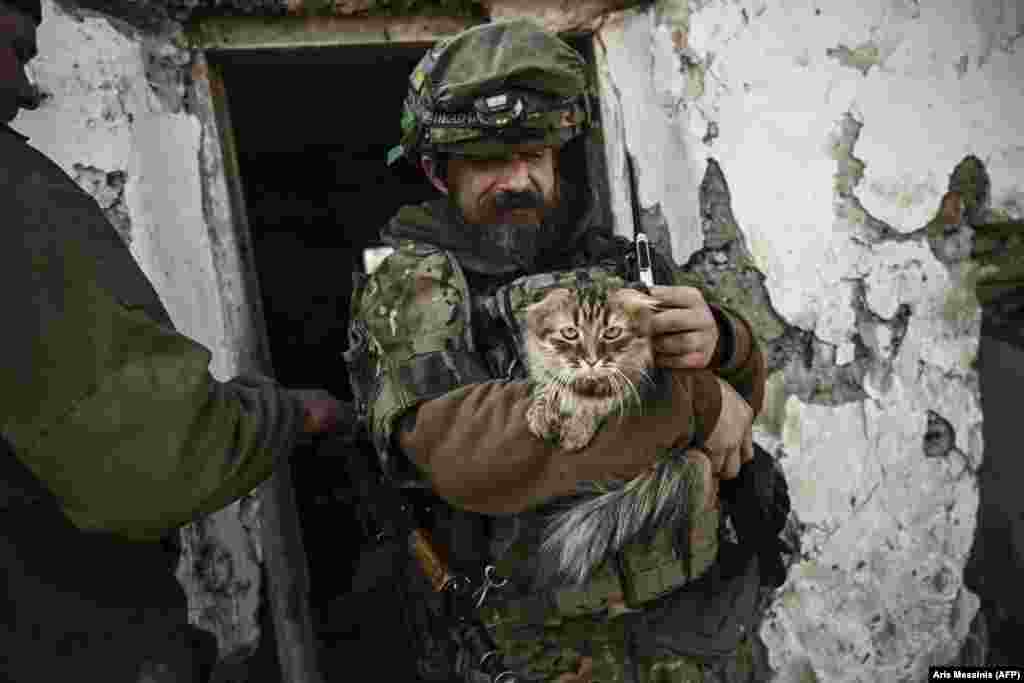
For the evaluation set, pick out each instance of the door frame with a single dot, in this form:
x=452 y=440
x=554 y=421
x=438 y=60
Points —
x=213 y=38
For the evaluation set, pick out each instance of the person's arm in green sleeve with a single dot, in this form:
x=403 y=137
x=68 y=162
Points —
x=118 y=415
x=158 y=441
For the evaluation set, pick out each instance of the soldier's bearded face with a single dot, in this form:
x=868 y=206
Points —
x=521 y=188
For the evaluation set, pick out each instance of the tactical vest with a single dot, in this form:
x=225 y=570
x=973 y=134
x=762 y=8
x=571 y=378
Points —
x=643 y=576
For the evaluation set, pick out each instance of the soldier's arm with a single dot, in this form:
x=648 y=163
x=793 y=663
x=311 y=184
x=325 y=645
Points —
x=474 y=446
x=117 y=414
x=467 y=433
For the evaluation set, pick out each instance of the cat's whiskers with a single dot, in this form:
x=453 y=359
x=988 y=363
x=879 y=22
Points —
x=616 y=393
x=562 y=392
x=634 y=393
x=619 y=395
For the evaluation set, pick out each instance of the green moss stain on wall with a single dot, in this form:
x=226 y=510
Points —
x=849 y=169
x=970 y=180
x=861 y=58
x=960 y=306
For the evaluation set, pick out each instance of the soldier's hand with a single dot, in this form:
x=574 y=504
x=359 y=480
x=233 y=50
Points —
x=685 y=332
x=323 y=412
x=585 y=674
x=730 y=443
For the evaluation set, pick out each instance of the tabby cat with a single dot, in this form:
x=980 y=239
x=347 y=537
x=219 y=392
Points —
x=589 y=354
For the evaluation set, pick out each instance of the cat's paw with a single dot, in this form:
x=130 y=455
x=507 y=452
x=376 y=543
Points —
x=537 y=420
x=577 y=431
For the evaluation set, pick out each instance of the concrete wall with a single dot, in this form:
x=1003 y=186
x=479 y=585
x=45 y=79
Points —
x=835 y=128
x=116 y=121
x=796 y=153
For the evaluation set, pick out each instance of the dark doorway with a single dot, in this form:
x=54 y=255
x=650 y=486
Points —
x=313 y=127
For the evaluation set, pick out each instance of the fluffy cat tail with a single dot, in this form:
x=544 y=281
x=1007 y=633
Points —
x=600 y=521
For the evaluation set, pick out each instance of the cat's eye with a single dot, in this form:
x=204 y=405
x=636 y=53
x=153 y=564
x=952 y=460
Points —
x=612 y=333
x=570 y=332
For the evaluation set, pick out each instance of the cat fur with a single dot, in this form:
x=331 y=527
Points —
x=585 y=529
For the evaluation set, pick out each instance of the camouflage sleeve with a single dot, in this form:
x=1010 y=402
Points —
x=413 y=319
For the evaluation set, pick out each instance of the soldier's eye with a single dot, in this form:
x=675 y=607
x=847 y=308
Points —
x=612 y=332
x=570 y=332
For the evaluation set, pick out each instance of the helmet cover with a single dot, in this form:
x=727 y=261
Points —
x=491 y=86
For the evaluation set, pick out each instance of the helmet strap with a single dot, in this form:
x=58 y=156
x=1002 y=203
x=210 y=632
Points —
x=435 y=167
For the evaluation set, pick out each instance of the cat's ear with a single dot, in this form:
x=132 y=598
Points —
x=538 y=313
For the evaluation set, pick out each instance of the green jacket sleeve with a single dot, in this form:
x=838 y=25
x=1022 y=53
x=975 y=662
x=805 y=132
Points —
x=158 y=442
x=115 y=412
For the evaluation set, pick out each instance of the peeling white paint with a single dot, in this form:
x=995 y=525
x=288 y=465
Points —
x=888 y=534
x=667 y=175
x=884 y=521
x=881 y=595
x=103 y=113
x=175 y=242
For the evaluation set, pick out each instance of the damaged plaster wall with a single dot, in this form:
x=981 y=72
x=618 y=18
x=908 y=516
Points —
x=116 y=119
x=793 y=151
x=822 y=136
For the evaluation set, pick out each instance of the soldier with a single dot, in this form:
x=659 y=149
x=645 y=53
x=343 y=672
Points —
x=113 y=433
x=492 y=118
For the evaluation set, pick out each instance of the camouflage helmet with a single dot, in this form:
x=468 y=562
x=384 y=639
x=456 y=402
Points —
x=493 y=85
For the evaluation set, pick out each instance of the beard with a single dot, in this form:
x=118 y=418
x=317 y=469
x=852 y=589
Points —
x=517 y=228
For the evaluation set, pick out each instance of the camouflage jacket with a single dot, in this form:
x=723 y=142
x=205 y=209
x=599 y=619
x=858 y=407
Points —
x=438 y=321
x=427 y=322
